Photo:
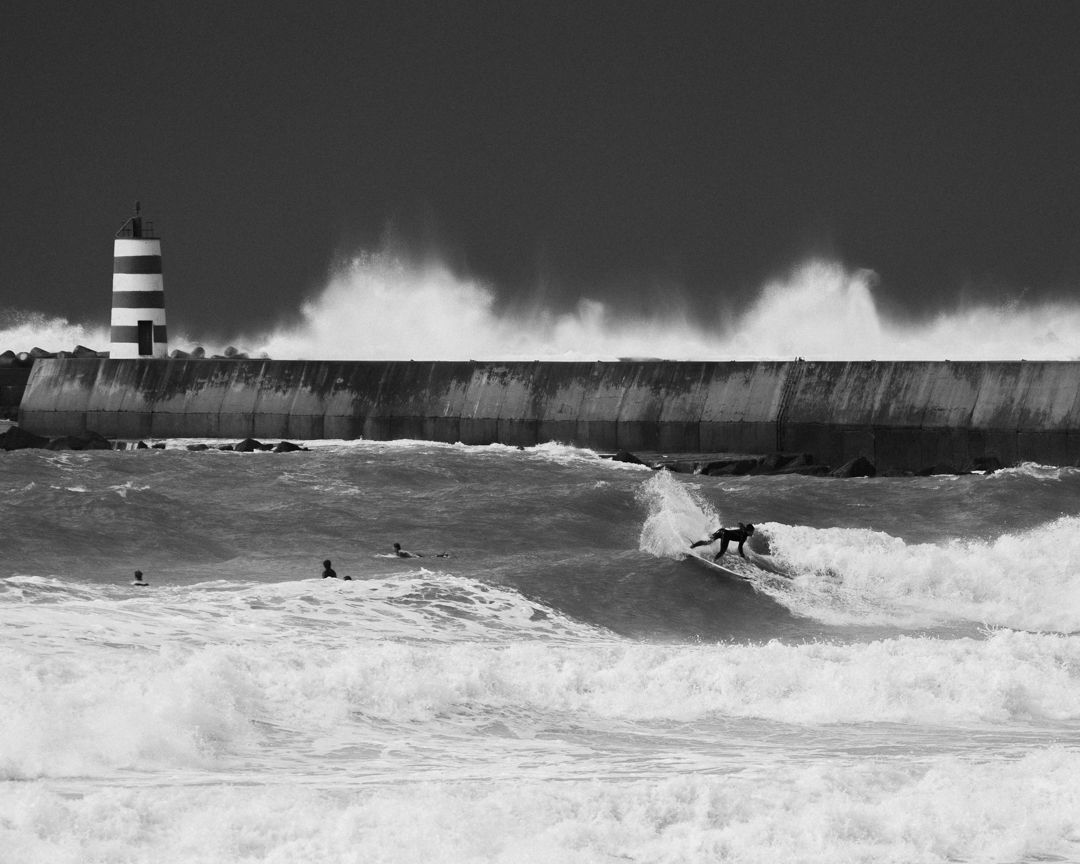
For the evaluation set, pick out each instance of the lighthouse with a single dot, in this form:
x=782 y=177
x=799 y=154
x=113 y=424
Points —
x=138 y=292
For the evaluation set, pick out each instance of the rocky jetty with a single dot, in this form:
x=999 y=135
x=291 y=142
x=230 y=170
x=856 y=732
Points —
x=779 y=464
x=14 y=438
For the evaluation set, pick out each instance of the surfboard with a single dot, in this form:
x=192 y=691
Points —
x=752 y=569
x=413 y=557
x=745 y=572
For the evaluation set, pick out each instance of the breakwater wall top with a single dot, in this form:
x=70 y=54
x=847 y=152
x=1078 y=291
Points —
x=904 y=415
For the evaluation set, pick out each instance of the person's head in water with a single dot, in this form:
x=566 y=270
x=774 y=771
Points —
x=397 y=547
x=749 y=528
x=326 y=563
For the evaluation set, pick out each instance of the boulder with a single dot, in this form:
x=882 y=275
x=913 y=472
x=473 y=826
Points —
x=42 y=354
x=939 y=468
x=860 y=466
x=287 y=447
x=681 y=466
x=177 y=354
x=198 y=448
x=159 y=446
x=249 y=445
x=82 y=352
x=19 y=439
x=626 y=456
x=805 y=470
x=66 y=442
x=730 y=467
x=141 y=446
x=87 y=441
x=772 y=462
x=95 y=441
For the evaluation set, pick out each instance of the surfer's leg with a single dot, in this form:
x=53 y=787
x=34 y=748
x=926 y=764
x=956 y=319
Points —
x=723 y=549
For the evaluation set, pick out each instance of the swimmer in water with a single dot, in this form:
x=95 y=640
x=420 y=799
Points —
x=139 y=580
x=330 y=573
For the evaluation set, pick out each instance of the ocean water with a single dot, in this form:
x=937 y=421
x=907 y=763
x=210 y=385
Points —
x=565 y=686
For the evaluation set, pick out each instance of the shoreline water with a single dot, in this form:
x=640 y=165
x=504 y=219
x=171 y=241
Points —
x=565 y=687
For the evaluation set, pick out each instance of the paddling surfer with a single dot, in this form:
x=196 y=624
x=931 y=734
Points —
x=725 y=536
x=402 y=553
x=139 y=580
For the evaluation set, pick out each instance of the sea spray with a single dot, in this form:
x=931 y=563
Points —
x=677 y=516
x=381 y=306
x=820 y=310
x=22 y=330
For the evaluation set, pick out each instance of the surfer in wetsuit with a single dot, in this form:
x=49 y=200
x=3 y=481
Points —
x=330 y=573
x=139 y=580
x=401 y=553
x=725 y=536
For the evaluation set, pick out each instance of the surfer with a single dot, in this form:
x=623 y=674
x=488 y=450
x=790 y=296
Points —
x=139 y=580
x=725 y=536
x=330 y=573
x=402 y=553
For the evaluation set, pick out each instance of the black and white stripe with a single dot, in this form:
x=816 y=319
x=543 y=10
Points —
x=138 y=305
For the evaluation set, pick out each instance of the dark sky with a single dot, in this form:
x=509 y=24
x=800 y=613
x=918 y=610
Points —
x=612 y=150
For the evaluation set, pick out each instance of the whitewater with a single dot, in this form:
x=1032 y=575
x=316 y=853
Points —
x=382 y=306
x=565 y=686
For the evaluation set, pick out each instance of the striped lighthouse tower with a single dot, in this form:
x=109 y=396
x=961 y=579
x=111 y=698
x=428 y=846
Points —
x=138 y=295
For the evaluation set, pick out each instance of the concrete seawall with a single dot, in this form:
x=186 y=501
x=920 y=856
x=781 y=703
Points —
x=902 y=415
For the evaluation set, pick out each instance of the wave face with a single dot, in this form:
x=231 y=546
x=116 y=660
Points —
x=564 y=685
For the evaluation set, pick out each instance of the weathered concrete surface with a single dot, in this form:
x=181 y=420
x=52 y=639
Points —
x=12 y=386
x=903 y=416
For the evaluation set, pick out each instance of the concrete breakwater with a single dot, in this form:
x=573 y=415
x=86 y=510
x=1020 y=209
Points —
x=900 y=415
